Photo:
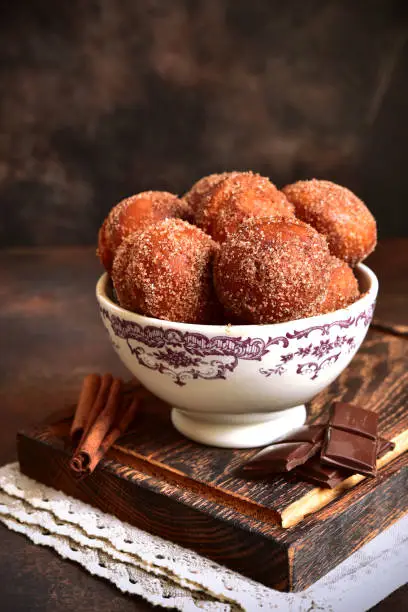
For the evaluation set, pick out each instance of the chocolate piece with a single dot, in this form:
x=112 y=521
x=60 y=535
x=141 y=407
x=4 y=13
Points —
x=354 y=420
x=351 y=439
x=347 y=450
x=286 y=453
x=317 y=473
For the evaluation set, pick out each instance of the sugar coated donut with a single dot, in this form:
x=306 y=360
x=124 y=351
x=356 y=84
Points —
x=239 y=197
x=198 y=193
x=135 y=213
x=165 y=271
x=272 y=270
x=342 y=288
x=337 y=213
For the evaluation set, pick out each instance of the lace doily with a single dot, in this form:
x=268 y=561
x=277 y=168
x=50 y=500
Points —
x=168 y=575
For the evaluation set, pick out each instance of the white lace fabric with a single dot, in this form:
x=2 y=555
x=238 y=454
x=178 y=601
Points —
x=170 y=576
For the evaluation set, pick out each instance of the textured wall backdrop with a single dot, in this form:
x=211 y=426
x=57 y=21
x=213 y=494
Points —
x=100 y=99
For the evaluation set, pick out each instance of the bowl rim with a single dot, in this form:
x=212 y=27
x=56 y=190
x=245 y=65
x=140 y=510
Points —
x=366 y=299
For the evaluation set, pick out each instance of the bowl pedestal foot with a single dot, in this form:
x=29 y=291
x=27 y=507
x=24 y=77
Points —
x=237 y=430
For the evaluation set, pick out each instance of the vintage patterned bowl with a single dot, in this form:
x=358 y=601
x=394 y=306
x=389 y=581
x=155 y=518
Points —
x=243 y=385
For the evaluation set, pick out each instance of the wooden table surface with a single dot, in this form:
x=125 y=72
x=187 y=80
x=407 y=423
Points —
x=51 y=336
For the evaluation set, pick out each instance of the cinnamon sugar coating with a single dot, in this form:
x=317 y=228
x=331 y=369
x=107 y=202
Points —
x=238 y=197
x=135 y=213
x=337 y=213
x=165 y=271
x=272 y=270
x=342 y=287
x=198 y=193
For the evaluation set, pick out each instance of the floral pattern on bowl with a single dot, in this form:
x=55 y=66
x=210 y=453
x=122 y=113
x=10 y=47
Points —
x=185 y=355
x=238 y=386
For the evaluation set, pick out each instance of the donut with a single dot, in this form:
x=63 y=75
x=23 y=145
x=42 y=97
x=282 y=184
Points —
x=272 y=270
x=135 y=213
x=104 y=251
x=198 y=193
x=342 y=288
x=165 y=271
x=239 y=197
x=337 y=213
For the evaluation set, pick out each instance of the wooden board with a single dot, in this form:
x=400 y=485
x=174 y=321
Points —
x=282 y=533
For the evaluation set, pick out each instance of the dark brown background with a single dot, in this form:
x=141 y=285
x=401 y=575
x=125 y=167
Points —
x=103 y=98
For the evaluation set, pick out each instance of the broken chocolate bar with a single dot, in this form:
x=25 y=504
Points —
x=351 y=439
x=315 y=472
x=287 y=452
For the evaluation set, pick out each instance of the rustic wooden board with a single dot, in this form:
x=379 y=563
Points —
x=156 y=479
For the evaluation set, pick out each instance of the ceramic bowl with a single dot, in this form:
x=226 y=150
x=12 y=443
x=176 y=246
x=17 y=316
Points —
x=238 y=386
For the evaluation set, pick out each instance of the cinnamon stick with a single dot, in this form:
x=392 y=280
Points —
x=93 y=437
x=86 y=400
x=126 y=416
x=96 y=408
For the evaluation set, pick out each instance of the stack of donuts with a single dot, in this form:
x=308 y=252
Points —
x=236 y=249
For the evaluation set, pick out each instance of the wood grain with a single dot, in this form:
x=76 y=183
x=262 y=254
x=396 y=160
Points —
x=156 y=479
x=47 y=351
x=377 y=378
x=287 y=559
